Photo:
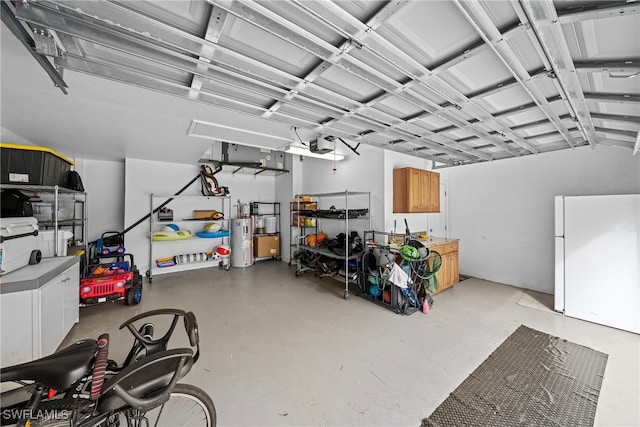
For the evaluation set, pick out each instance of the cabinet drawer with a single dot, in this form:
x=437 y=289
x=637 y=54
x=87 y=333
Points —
x=444 y=248
x=449 y=247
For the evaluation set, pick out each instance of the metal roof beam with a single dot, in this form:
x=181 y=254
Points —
x=175 y=40
x=616 y=118
x=347 y=45
x=137 y=78
x=254 y=13
x=118 y=38
x=612 y=142
x=544 y=20
x=596 y=11
x=475 y=13
x=615 y=98
x=474 y=49
x=544 y=134
x=629 y=133
x=625 y=66
x=336 y=18
x=504 y=85
x=217 y=18
x=16 y=28
x=511 y=111
x=538 y=123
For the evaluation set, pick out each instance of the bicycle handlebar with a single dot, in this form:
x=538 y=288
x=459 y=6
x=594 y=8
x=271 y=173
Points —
x=154 y=345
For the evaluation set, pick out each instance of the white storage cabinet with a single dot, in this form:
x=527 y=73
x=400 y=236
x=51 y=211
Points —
x=39 y=306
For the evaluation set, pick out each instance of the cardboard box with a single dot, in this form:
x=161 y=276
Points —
x=304 y=206
x=46 y=244
x=266 y=246
x=206 y=214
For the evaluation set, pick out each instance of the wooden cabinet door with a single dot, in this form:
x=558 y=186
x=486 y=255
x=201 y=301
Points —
x=444 y=274
x=448 y=273
x=434 y=192
x=415 y=191
x=401 y=190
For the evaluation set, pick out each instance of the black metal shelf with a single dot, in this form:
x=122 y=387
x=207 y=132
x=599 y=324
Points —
x=257 y=209
x=56 y=193
x=298 y=241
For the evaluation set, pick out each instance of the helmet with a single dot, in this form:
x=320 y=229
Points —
x=223 y=250
x=321 y=237
x=423 y=251
x=409 y=253
x=312 y=240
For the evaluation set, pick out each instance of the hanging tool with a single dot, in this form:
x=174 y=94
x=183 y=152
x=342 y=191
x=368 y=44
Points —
x=407 y=232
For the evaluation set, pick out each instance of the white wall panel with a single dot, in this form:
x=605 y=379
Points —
x=355 y=173
x=503 y=211
x=104 y=183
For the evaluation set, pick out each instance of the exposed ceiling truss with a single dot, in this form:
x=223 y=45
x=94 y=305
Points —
x=508 y=78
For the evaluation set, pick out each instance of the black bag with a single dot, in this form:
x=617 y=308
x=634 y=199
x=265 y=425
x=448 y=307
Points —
x=404 y=301
x=15 y=204
x=74 y=182
x=354 y=246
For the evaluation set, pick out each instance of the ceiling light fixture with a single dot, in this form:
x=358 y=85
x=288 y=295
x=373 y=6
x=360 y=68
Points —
x=303 y=151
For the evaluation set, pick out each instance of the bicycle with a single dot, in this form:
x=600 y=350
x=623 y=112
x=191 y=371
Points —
x=80 y=386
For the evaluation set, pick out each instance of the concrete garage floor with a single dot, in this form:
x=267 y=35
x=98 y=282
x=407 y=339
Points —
x=284 y=351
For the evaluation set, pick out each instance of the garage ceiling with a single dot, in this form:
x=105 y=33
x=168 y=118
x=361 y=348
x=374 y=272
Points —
x=456 y=82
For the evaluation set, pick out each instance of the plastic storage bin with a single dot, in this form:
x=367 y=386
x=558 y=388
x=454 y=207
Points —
x=24 y=164
x=46 y=244
x=43 y=209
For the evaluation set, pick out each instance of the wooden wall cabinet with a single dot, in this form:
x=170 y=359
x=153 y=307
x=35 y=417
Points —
x=416 y=191
x=449 y=273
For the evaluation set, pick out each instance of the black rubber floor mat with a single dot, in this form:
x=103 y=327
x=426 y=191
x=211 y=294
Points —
x=531 y=379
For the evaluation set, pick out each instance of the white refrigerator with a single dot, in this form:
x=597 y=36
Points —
x=597 y=271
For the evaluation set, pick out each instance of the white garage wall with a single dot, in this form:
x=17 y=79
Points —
x=104 y=185
x=503 y=211
x=9 y=137
x=355 y=173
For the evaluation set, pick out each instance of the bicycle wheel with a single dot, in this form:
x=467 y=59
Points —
x=187 y=406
